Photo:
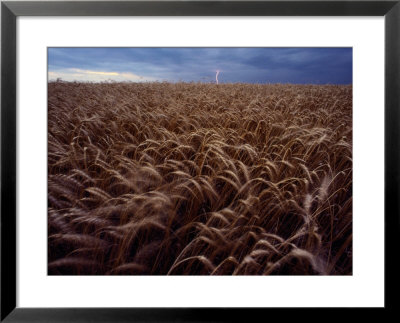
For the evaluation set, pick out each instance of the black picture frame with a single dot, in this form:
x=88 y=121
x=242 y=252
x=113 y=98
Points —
x=10 y=10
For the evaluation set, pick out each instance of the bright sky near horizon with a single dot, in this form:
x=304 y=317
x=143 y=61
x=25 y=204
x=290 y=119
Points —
x=305 y=65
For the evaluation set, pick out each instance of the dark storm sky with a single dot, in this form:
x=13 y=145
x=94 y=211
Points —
x=246 y=65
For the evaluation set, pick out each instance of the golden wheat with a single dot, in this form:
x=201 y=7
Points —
x=198 y=179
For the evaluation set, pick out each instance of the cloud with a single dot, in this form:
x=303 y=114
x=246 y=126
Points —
x=252 y=65
x=93 y=72
x=76 y=74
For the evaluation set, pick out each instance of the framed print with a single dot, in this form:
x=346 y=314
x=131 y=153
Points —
x=197 y=161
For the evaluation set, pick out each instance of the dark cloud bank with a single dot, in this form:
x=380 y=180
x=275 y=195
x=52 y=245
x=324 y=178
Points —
x=247 y=65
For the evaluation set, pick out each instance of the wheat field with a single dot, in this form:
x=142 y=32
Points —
x=199 y=179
